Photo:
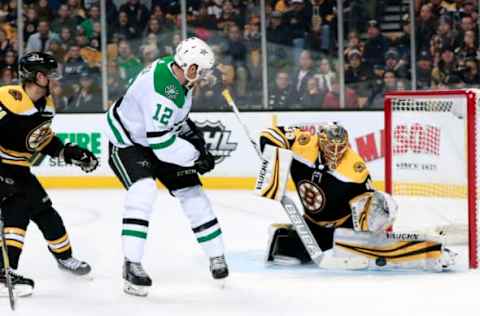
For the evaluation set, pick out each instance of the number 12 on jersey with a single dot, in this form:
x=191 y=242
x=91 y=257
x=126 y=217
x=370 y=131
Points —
x=163 y=114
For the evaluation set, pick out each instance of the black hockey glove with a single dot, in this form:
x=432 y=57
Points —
x=204 y=163
x=194 y=136
x=85 y=159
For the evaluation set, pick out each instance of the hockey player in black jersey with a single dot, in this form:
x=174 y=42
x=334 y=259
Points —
x=26 y=113
x=348 y=218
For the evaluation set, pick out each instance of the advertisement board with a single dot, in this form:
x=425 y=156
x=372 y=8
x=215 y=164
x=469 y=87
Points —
x=236 y=161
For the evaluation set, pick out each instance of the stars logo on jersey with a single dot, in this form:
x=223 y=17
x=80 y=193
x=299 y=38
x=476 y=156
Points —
x=171 y=92
x=203 y=52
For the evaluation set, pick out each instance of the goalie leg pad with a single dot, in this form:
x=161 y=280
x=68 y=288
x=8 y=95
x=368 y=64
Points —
x=394 y=251
x=285 y=246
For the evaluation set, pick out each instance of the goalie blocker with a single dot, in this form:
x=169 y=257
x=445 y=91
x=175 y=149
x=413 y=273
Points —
x=361 y=242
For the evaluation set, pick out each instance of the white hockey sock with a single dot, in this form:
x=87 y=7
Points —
x=209 y=236
x=138 y=208
x=197 y=208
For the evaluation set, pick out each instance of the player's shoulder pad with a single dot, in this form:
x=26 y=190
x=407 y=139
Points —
x=50 y=104
x=16 y=100
x=166 y=84
x=352 y=167
x=305 y=145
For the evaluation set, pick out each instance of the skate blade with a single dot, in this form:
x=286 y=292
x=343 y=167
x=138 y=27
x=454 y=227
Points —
x=136 y=290
x=19 y=290
x=220 y=283
x=87 y=276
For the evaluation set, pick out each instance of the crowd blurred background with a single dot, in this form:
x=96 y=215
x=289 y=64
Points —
x=303 y=58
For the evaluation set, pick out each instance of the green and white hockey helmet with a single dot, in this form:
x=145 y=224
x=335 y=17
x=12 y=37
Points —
x=194 y=51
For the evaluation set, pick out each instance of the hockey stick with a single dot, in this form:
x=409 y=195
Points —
x=229 y=99
x=6 y=263
x=296 y=218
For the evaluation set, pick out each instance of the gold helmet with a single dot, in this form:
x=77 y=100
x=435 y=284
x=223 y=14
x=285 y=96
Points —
x=333 y=143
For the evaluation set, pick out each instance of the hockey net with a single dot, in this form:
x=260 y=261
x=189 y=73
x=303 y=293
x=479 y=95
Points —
x=431 y=155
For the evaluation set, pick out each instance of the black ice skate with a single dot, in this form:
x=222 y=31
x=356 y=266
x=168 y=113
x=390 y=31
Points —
x=136 y=279
x=21 y=286
x=74 y=266
x=218 y=267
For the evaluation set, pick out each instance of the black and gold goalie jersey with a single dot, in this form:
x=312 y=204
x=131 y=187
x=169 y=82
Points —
x=25 y=127
x=324 y=193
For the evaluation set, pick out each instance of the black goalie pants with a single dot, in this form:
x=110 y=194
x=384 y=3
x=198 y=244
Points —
x=30 y=202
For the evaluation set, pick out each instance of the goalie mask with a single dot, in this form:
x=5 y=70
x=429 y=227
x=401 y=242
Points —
x=333 y=143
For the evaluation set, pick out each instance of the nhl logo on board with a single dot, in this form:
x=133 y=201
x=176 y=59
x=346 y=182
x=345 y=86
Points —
x=217 y=137
x=171 y=92
x=312 y=196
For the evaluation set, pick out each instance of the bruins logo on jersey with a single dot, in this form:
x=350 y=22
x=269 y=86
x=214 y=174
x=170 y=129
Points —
x=39 y=136
x=359 y=166
x=312 y=197
x=303 y=138
x=17 y=95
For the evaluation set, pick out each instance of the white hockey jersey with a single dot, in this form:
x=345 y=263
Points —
x=152 y=113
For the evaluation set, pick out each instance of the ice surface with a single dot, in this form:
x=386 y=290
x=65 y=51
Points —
x=182 y=282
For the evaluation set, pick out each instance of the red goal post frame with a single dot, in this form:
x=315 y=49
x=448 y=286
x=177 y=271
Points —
x=471 y=155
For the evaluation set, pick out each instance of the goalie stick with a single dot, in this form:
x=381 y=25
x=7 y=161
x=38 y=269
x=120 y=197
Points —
x=6 y=263
x=296 y=218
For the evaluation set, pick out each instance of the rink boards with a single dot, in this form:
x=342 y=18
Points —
x=237 y=163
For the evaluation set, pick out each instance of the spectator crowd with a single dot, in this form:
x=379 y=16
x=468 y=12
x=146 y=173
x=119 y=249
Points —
x=302 y=48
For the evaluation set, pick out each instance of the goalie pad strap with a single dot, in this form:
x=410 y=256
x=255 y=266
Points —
x=273 y=175
x=389 y=250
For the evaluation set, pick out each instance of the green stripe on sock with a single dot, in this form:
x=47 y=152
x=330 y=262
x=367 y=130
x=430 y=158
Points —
x=134 y=233
x=115 y=131
x=209 y=236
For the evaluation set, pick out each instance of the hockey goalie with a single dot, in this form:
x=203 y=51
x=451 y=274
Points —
x=350 y=220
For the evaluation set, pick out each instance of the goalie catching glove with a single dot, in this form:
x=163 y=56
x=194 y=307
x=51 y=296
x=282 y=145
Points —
x=84 y=158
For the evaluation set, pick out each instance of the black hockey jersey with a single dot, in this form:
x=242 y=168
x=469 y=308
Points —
x=25 y=127
x=324 y=193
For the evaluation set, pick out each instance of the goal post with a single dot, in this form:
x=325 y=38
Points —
x=431 y=156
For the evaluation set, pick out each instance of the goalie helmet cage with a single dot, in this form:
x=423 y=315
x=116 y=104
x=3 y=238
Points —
x=419 y=125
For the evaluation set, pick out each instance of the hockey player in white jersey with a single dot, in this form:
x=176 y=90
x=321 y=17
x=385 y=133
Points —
x=152 y=137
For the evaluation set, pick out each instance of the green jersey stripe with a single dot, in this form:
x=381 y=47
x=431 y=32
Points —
x=118 y=163
x=164 y=144
x=210 y=236
x=115 y=131
x=133 y=233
